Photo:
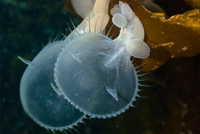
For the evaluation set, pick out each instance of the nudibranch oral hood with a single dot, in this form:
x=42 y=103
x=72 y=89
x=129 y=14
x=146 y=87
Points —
x=87 y=73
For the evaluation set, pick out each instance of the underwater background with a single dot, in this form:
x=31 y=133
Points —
x=171 y=105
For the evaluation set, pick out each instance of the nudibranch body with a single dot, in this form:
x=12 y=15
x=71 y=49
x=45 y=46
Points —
x=95 y=74
x=87 y=73
x=40 y=101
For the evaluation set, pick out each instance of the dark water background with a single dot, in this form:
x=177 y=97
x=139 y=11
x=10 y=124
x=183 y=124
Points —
x=171 y=105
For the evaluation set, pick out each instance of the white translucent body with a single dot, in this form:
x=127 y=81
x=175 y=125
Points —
x=132 y=30
x=104 y=84
x=40 y=98
x=40 y=101
x=87 y=73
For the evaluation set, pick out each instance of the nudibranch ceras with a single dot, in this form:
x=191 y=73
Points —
x=94 y=73
x=88 y=69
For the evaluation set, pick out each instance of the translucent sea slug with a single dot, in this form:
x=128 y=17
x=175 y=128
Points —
x=87 y=73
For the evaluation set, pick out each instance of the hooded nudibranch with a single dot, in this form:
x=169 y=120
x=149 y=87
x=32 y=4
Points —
x=87 y=73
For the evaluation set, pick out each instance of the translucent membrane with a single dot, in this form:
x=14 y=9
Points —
x=119 y=20
x=96 y=76
x=126 y=11
x=138 y=48
x=40 y=100
x=115 y=10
